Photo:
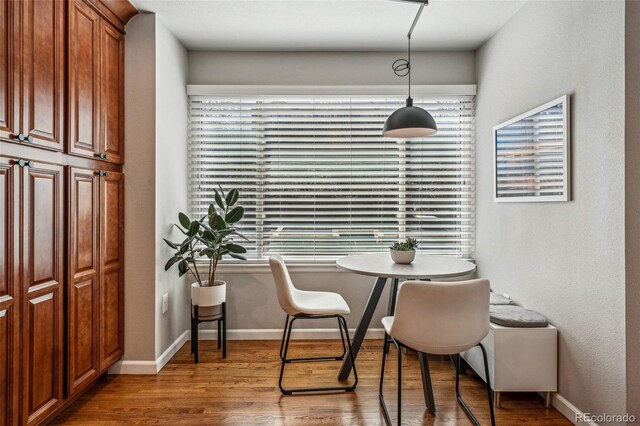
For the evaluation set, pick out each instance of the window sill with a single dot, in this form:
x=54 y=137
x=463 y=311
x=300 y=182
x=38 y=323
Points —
x=262 y=266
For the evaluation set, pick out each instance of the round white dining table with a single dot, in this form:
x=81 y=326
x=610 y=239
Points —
x=380 y=265
x=424 y=266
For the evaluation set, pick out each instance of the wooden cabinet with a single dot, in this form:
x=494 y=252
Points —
x=31 y=287
x=112 y=93
x=32 y=76
x=111 y=269
x=42 y=288
x=96 y=274
x=9 y=295
x=32 y=73
x=84 y=79
x=41 y=50
x=84 y=278
x=96 y=85
x=7 y=70
x=62 y=224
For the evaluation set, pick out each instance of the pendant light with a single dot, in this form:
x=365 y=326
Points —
x=410 y=121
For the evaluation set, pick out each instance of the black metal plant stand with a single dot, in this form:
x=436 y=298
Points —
x=222 y=330
x=284 y=347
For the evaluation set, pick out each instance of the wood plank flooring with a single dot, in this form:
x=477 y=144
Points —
x=242 y=390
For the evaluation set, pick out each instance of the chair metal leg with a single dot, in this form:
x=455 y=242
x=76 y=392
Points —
x=459 y=398
x=344 y=346
x=284 y=358
x=385 y=411
x=342 y=323
x=489 y=392
x=399 y=386
x=284 y=335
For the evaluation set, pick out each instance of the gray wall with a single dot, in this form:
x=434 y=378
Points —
x=565 y=260
x=155 y=185
x=632 y=206
x=139 y=169
x=327 y=68
x=171 y=180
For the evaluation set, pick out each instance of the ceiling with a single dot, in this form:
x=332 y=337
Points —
x=330 y=25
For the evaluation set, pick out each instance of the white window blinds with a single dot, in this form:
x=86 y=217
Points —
x=318 y=180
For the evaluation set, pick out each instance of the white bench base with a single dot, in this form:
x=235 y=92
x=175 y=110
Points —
x=520 y=360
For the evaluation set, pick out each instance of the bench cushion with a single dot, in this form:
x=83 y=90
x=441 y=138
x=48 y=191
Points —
x=516 y=316
x=498 y=299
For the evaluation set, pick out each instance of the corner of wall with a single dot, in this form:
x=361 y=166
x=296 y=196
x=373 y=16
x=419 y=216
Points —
x=171 y=148
x=632 y=203
x=139 y=170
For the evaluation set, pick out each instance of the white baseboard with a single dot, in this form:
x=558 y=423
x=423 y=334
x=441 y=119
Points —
x=150 y=367
x=171 y=350
x=567 y=409
x=153 y=367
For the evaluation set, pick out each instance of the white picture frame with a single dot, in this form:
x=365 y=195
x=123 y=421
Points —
x=531 y=155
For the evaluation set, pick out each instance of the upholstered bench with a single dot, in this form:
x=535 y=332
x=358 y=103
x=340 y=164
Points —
x=522 y=350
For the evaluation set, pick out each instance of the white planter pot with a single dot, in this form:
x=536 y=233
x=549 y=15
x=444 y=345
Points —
x=403 y=257
x=209 y=296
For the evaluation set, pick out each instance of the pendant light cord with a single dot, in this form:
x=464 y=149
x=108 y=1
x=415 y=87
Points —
x=413 y=26
x=402 y=67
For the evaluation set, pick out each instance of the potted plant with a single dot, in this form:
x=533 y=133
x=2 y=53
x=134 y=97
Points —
x=209 y=238
x=404 y=251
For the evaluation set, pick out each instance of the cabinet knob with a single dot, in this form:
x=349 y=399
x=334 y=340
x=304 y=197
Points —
x=29 y=138
x=24 y=163
x=101 y=173
x=22 y=137
x=101 y=155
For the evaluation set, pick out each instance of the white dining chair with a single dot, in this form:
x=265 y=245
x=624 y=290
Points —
x=300 y=304
x=438 y=318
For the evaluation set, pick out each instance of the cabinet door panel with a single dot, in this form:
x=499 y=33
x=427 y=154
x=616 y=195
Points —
x=83 y=278
x=42 y=272
x=9 y=300
x=42 y=50
x=7 y=70
x=112 y=267
x=112 y=93
x=84 y=78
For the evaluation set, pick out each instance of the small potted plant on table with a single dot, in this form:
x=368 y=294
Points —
x=405 y=251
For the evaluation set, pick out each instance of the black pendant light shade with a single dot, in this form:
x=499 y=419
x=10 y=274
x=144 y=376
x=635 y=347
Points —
x=409 y=122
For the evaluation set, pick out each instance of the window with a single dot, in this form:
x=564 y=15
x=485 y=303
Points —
x=318 y=180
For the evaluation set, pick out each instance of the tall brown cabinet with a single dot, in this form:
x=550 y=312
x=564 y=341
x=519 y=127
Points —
x=61 y=201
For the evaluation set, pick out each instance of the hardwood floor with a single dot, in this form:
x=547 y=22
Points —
x=242 y=390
